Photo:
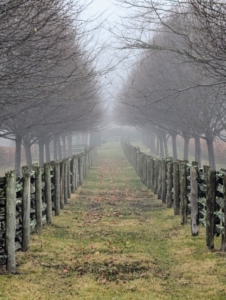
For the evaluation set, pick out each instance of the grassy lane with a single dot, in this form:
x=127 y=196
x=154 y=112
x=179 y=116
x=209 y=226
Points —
x=116 y=241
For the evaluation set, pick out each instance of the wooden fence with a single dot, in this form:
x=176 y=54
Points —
x=26 y=203
x=195 y=193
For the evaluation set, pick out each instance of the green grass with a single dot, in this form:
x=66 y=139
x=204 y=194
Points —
x=115 y=240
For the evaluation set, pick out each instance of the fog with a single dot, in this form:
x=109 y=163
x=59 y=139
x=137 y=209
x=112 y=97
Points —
x=81 y=67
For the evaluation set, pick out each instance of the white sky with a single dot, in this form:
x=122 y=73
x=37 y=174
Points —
x=109 y=15
x=101 y=5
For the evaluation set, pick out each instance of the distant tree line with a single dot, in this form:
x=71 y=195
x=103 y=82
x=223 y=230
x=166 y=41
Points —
x=177 y=86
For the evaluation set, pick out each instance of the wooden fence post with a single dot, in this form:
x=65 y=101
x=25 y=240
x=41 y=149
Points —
x=26 y=210
x=57 y=187
x=86 y=162
x=176 y=186
x=156 y=174
x=79 y=168
x=223 y=241
x=210 y=209
x=10 y=231
x=62 y=184
x=139 y=164
x=80 y=160
x=169 y=198
x=48 y=197
x=73 y=182
x=84 y=166
x=183 y=193
x=137 y=161
x=38 y=199
x=163 y=191
x=144 y=175
x=148 y=172
x=77 y=172
x=194 y=201
x=68 y=161
x=65 y=180
x=159 y=191
x=152 y=173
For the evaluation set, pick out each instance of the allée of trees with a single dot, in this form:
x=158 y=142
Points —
x=48 y=82
x=177 y=87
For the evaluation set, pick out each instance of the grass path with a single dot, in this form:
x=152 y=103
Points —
x=116 y=241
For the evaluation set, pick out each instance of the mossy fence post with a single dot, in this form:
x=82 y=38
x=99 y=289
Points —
x=169 y=198
x=48 y=197
x=183 y=193
x=81 y=166
x=163 y=190
x=159 y=190
x=65 y=179
x=176 y=186
x=38 y=199
x=210 y=209
x=77 y=172
x=69 y=177
x=62 y=184
x=149 y=172
x=26 y=209
x=194 y=200
x=73 y=170
x=152 y=173
x=57 y=187
x=223 y=241
x=10 y=230
x=156 y=174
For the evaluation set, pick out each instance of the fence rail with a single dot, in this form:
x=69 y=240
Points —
x=27 y=203
x=195 y=193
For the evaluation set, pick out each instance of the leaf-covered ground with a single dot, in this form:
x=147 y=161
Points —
x=115 y=240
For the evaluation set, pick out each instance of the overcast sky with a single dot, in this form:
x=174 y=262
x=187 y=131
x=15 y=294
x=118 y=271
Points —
x=100 y=6
x=109 y=16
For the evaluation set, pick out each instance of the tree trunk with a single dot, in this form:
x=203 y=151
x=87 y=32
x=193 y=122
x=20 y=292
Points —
x=47 y=150
x=27 y=148
x=148 y=141
x=158 y=146
x=99 y=139
x=69 y=143
x=161 y=147
x=41 y=152
x=88 y=140
x=59 y=149
x=166 y=147
x=198 y=151
x=186 y=147
x=152 y=143
x=55 y=148
x=64 y=147
x=18 y=155
x=174 y=146
x=209 y=142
